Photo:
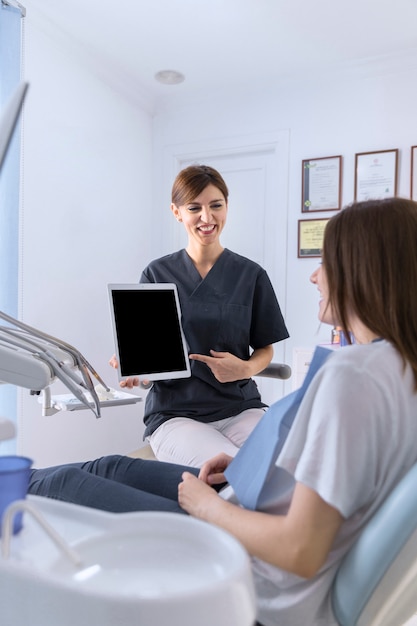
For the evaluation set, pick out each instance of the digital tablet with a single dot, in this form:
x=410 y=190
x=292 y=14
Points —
x=148 y=335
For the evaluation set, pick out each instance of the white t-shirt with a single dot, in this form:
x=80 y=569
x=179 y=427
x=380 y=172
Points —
x=354 y=437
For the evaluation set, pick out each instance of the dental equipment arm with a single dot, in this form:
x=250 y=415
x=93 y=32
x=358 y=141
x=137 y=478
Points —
x=32 y=359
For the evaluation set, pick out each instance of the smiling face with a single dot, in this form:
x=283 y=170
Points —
x=203 y=218
x=319 y=278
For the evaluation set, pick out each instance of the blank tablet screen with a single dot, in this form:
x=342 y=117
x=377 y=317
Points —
x=147 y=328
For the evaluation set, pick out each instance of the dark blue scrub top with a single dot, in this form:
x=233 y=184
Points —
x=234 y=308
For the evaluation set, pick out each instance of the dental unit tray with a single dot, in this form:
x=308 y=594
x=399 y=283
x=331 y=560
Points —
x=68 y=402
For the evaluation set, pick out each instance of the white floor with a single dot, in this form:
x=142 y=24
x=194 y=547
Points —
x=412 y=621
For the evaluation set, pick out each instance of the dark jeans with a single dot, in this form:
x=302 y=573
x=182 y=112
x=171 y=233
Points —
x=113 y=483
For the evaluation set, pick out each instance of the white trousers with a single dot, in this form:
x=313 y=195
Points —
x=188 y=442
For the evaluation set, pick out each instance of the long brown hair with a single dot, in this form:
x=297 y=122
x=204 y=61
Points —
x=192 y=180
x=370 y=260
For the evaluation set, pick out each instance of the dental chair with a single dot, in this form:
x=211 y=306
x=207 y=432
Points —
x=280 y=371
x=376 y=584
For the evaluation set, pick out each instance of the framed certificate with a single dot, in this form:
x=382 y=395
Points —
x=413 y=177
x=321 y=182
x=310 y=237
x=376 y=174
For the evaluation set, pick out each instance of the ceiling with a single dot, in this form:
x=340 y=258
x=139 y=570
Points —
x=227 y=46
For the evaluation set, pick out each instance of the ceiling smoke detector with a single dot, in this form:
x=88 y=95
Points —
x=169 y=77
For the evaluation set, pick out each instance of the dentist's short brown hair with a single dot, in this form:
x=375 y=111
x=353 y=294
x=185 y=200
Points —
x=192 y=180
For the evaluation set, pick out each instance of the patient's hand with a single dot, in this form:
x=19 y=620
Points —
x=130 y=382
x=225 y=366
x=195 y=497
x=212 y=470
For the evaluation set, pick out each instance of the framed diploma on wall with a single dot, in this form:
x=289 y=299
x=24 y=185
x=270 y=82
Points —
x=413 y=176
x=376 y=174
x=310 y=237
x=321 y=184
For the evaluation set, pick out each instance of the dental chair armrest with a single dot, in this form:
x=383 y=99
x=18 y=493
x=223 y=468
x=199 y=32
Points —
x=276 y=370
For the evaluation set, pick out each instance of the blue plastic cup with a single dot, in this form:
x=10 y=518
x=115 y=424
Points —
x=14 y=482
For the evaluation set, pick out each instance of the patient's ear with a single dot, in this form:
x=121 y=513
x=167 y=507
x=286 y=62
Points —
x=176 y=212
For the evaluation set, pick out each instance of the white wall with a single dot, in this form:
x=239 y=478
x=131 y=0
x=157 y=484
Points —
x=345 y=115
x=96 y=204
x=85 y=223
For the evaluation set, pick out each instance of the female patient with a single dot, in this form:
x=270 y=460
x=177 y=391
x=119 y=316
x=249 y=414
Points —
x=353 y=438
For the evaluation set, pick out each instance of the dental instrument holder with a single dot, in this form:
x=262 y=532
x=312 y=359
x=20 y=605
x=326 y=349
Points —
x=32 y=359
